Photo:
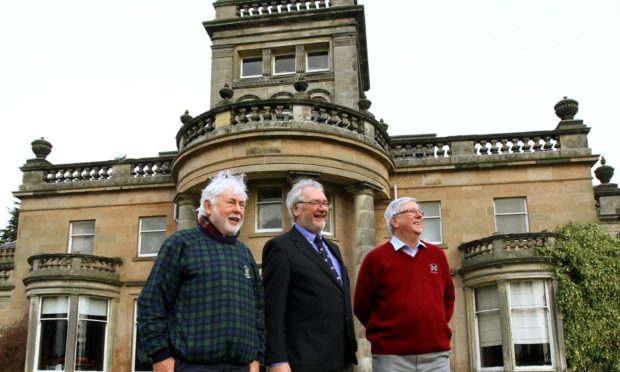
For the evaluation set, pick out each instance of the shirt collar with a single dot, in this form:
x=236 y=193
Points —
x=309 y=235
x=398 y=244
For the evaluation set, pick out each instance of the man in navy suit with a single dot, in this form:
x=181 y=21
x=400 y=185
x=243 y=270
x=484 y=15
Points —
x=307 y=292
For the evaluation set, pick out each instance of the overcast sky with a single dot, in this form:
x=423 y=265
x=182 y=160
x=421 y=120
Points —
x=105 y=78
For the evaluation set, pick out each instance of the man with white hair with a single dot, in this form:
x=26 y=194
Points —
x=404 y=296
x=202 y=307
x=307 y=292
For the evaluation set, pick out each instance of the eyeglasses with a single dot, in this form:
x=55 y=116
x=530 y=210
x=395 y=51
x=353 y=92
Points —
x=316 y=203
x=412 y=211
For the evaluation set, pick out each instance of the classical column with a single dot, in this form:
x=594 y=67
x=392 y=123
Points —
x=186 y=211
x=364 y=214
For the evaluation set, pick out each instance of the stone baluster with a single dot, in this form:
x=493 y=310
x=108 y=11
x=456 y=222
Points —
x=186 y=211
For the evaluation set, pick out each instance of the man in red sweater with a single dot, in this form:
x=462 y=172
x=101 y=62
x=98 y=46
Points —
x=405 y=296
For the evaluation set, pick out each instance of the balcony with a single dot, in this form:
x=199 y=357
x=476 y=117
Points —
x=7 y=258
x=503 y=249
x=73 y=267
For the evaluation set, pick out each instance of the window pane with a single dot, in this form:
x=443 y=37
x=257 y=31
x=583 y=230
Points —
x=91 y=334
x=82 y=244
x=150 y=242
x=270 y=195
x=318 y=61
x=530 y=326
x=527 y=294
x=53 y=333
x=430 y=209
x=284 y=64
x=432 y=230
x=489 y=326
x=252 y=66
x=511 y=224
x=82 y=227
x=152 y=223
x=52 y=344
x=269 y=216
x=514 y=205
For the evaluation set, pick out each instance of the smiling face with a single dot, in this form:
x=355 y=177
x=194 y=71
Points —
x=408 y=223
x=309 y=217
x=227 y=213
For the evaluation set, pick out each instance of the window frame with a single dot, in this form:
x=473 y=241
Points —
x=275 y=56
x=506 y=320
x=253 y=57
x=105 y=334
x=330 y=214
x=427 y=216
x=321 y=50
x=37 y=350
x=72 y=236
x=259 y=203
x=524 y=213
x=140 y=231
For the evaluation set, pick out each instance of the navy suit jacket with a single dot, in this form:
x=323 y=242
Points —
x=308 y=314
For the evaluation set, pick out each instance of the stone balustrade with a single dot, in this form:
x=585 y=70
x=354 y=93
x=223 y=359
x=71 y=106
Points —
x=73 y=267
x=423 y=147
x=283 y=111
x=500 y=248
x=260 y=8
x=7 y=255
x=74 y=173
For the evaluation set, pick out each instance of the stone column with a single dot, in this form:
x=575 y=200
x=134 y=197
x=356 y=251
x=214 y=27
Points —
x=364 y=214
x=186 y=211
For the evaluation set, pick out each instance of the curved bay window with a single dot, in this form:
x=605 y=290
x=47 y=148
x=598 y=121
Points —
x=513 y=326
x=59 y=347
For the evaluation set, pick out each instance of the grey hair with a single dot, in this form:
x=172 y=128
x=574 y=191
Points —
x=393 y=208
x=294 y=196
x=219 y=184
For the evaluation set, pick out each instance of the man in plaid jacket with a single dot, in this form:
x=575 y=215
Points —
x=202 y=307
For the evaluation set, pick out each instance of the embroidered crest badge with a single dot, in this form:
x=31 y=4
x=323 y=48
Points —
x=246 y=272
x=434 y=268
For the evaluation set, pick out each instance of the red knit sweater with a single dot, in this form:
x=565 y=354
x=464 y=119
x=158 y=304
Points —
x=405 y=302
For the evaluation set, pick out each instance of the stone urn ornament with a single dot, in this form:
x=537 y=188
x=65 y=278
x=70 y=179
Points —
x=566 y=109
x=41 y=148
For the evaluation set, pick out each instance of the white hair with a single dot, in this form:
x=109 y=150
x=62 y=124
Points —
x=221 y=183
x=393 y=208
x=294 y=196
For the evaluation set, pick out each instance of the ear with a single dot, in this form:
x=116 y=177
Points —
x=208 y=207
x=394 y=223
x=296 y=211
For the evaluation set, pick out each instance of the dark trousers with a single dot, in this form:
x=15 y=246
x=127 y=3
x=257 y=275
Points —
x=182 y=366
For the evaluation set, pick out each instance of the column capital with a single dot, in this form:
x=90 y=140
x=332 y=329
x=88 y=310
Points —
x=362 y=188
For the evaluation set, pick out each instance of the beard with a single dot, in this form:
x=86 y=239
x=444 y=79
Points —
x=223 y=225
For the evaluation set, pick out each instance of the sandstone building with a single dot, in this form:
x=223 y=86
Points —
x=288 y=85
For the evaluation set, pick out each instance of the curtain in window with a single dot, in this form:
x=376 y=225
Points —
x=53 y=333
x=91 y=332
x=489 y=327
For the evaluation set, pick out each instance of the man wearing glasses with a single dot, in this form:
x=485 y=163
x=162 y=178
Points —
x=308 y=312
x=404 y=296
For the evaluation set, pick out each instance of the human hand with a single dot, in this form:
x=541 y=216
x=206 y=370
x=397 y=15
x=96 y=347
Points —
x=254 y=366
x=285 y=367
x=166 y=365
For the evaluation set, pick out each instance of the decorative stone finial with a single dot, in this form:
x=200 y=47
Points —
x=186 y=117
x=300 y=86
x=566 y=109
x=41 y=148
x=226 y=93
x=604 y=172
x=364 y=103
x=383 y=124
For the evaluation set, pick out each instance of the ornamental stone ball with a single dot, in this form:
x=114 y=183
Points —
x=226 y=93
x=566 y=109
x=41 y=148
x=186 y=117
x=604 y=173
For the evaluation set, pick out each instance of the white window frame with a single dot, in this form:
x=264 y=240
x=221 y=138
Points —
x=428 y=216
x=71 y=235
x=106 y=332
x=549 y=327
x=243 y=59
x=330 y=216
x=524 y=213
x=140 y=232
x=283 y=54
x=326 y=51
x=503 y=316
x=257 y=209
x=39 y=329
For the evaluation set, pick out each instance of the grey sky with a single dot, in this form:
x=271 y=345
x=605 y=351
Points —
x=100 y=79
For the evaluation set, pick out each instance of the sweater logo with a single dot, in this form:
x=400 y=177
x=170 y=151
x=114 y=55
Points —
x=434 y=268
x=246 y=272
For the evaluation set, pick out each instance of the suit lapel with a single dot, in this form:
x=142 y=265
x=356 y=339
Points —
x=300 y=242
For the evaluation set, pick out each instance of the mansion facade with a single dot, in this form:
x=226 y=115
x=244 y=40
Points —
x=288 y=85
